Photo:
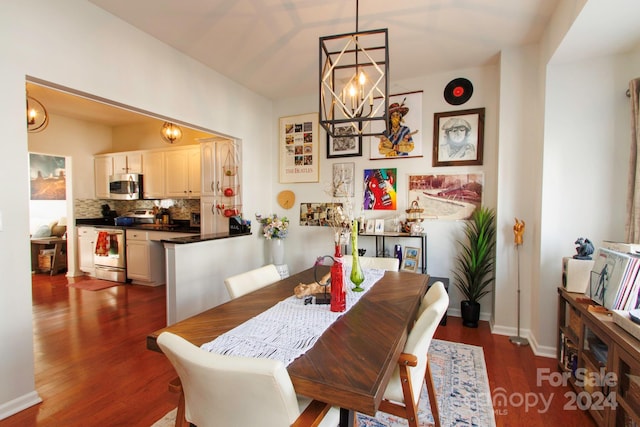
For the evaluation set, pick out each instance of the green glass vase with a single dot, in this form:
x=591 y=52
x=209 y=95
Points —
x=357 y=275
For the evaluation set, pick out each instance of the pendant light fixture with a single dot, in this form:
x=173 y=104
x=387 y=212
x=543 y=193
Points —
x=37 y=116
x=171 y=133
x=354 y=82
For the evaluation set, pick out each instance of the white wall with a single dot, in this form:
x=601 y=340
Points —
x=311 y=242
x=76 y=45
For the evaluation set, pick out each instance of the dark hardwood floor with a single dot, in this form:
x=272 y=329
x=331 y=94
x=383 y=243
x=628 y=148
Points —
x=92 y=367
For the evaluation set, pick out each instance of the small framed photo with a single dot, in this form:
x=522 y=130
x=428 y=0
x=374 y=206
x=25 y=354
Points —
x=349 y=145
x=370 y=226
x=379 y=226
x=410 y=259
x=458 y=138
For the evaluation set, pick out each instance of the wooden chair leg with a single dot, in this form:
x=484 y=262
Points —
x=431 y=389
x=175 y=386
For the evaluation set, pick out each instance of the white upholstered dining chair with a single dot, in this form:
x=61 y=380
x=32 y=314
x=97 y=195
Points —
x=239 y=391
x=249 y=281
x=403 y=391
x=389 y=264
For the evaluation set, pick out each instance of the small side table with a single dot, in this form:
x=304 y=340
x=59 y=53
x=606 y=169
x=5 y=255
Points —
x=283 y=269
x=59 y=257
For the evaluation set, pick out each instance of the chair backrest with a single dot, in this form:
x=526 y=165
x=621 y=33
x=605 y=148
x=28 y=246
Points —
x=434 y=305
x=249 y=281
x=389 y=264
x=229 y=390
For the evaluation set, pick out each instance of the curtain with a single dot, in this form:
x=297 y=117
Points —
x=632 y=226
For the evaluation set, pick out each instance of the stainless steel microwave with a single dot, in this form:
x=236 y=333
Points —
x=125 y=186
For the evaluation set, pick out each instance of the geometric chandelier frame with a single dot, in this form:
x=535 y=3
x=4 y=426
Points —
x=354 y=82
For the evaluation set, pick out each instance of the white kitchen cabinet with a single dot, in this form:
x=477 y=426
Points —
x=86 y=247
x=153 y=175
x=221 y=184
x=129 y=162
x=145 y=259
x=182 y=173
x=103 y=169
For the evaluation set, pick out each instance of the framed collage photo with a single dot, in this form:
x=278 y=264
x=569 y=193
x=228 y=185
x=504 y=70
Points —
x=458 y=138
x=410 y=259
x=298 y=145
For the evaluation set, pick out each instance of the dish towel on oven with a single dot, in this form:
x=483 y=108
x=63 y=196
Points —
x=288 y=329
x=102 y=245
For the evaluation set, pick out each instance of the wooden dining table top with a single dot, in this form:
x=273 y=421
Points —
x=351 y=363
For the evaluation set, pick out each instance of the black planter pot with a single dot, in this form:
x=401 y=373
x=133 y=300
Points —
x=470 y=313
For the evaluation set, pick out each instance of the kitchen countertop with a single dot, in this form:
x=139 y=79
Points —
x=206 y=237
x=178 y=227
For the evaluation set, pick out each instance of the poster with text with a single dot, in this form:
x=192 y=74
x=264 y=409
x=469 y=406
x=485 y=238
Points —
x=298 y=145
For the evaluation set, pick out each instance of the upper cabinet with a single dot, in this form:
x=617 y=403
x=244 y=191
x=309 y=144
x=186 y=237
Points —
x=153 y=175
x=127 y=163
x=173 y=173
x=182 y=173
x=102 y=168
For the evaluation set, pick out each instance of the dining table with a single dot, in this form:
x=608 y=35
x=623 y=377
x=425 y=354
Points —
x=351 y=363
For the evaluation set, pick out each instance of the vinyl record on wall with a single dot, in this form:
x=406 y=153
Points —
x=458 y=91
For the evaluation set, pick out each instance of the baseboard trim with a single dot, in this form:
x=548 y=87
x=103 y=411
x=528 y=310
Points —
x=16 y=405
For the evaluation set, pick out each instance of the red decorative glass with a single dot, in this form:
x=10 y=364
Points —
x=338 y=291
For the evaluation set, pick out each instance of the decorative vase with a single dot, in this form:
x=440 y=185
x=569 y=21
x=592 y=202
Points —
x=338 y=291
x=277 y=251
x=357 y=275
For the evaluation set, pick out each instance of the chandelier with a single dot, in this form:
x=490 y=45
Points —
x=171 y=133
x=354 y=81
x=37 y=116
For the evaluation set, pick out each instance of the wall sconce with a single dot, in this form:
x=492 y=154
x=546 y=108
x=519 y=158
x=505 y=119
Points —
x=354 y=70
x=171 y=133
x=37 y=116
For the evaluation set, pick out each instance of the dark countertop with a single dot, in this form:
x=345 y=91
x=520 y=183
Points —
x=206 y=237
x=177 y=227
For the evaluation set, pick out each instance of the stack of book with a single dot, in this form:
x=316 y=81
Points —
x=615 y=280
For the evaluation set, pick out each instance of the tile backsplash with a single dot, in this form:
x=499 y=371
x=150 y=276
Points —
x=178 y=208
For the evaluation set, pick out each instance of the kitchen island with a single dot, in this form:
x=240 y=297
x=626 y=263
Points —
x=196 y=267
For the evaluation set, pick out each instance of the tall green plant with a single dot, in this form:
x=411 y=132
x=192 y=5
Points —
x=476 y=260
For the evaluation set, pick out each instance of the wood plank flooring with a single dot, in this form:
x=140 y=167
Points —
x=93 y=369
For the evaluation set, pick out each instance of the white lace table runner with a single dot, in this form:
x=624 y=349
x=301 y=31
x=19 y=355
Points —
x=289 y=328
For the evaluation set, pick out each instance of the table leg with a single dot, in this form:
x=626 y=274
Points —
x=347 y=418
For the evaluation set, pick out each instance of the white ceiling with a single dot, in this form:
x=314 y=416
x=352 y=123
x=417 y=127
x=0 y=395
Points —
x=271 y=46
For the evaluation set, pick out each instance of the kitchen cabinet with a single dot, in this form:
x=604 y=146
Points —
x=153 y=175
x=145 y=259
x=221 y=184
x=127 y=163
x=182 y=173
x=86 y=247
x=103 y=169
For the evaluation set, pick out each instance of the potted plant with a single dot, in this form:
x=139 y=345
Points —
x=475 y=263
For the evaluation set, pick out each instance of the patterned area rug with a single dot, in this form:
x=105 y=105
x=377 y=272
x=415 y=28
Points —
x=462 y=388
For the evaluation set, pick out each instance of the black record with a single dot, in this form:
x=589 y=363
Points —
x=458 y=91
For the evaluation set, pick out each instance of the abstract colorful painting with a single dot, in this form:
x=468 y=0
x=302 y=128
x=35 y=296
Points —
x=380 y=189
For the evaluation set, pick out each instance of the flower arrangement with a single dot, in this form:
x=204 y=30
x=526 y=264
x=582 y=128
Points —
x=274 y=227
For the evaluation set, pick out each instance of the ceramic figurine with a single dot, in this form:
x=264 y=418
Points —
x=584 y=248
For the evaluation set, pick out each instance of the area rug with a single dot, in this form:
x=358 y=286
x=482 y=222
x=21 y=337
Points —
x=462 y=388
x=93 y=284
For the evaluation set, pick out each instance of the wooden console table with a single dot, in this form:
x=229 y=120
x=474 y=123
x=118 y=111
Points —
x=600 y=360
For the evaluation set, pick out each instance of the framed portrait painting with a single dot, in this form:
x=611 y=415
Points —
x=298 y=145
x=348 y=145
x=458 y=138
x=403 y=137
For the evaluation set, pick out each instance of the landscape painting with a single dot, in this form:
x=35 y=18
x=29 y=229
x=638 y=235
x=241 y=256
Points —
x=47 y=175
x=447 y=196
